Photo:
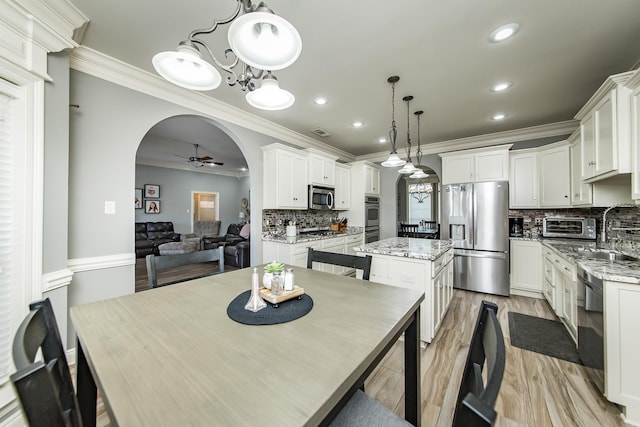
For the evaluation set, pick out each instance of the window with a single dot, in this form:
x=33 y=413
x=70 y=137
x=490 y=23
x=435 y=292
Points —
x=420 y=202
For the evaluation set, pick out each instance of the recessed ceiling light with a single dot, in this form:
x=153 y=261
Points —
x=243 y=169
x=357 y=124
x=503 y=32
x=500 y=87
x=321 y=100
x=499 y=116
x=382 y=140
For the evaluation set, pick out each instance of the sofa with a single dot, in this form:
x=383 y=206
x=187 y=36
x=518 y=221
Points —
x=236 y=233
x=150 y=235
x=202 y=229
x=238 y=255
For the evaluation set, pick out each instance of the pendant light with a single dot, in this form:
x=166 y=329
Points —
x=394 y=160
x=408 y=167
x=419 y=173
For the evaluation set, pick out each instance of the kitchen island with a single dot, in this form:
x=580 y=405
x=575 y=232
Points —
x=421 y=264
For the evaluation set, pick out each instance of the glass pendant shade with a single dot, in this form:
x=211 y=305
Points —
x=185 y=67
x=264 y=40
x=419 y=174
x=393 y=161
x=269 y=96
x=408 y=168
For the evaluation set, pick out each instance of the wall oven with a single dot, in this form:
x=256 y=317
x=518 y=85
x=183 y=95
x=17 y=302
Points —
x=321 y=198
x=371 y=212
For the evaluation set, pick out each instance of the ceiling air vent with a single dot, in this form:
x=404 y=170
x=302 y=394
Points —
x=321 y=132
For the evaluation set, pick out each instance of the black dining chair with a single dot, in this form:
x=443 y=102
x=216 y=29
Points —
x=44 y=387
x=408 y=230
x=344 y=260
x=157 y=263
x=476 y=399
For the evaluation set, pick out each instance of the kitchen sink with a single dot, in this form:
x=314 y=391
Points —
x=607 y=255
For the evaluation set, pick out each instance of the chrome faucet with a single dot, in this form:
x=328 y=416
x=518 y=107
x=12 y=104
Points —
x=603 y=237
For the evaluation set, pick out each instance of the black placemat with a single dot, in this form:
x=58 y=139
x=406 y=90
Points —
x=285 y=312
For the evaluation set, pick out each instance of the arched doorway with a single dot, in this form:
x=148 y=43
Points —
x=181 y=158
x=418 y=200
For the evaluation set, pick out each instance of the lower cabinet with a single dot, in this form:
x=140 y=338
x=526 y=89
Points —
x=526 y=268
x=560 y=289
x=622 y=372
x=434 y=278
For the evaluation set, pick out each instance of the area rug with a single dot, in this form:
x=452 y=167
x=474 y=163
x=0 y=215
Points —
x=544 y=336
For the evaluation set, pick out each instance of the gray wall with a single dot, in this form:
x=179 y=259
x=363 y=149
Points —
x=105 y=133
x=175 y=195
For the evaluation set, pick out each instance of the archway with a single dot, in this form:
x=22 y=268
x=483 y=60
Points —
x=418 y=200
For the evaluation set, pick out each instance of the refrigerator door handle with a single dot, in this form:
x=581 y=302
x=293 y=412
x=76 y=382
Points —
x=476 y=254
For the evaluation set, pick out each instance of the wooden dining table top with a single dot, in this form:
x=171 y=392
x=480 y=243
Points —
x=172 y=356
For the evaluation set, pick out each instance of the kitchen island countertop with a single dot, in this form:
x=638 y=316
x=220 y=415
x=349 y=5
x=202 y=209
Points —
x=427 y=249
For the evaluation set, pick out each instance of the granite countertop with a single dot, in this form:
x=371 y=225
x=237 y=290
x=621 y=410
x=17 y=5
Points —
x=302 y=238
x=617 y=271
x=426 y=249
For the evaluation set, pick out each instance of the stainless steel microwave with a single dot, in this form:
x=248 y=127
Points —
x=321 y=198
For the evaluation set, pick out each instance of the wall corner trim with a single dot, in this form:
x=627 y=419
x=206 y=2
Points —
x=56 y=279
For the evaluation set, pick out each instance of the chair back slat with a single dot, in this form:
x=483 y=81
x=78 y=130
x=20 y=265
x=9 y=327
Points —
x=343 y=260
x=158 y=263
x=408 y=230
x=45 y=388
x=476 y=399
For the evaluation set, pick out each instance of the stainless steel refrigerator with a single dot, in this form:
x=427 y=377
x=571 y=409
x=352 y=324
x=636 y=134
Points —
x=476 y=217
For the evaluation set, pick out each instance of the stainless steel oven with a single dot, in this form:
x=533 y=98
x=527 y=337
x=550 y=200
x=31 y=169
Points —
x=371 y=212
x=371 y=235
x=569 y=227
x=591 y=326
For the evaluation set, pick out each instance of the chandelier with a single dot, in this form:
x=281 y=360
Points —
x=394 y=160
x=421 y=191
x=260 y=42
x=408 y=167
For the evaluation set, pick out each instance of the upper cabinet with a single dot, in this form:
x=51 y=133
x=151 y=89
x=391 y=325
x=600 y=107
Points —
x=343 y=187
x=634 y=85
x=605 y=130
x=477 y=165
x=555 y=178
x=581 y=194
x=523 y=179
x=321 y=168
x=285 y=177
x=371 y=180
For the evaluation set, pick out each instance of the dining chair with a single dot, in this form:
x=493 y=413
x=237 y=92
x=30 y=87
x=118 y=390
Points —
x=157 y=263
x=344 y=260
x=44 y=387
x=476 y=399
x=408 y=230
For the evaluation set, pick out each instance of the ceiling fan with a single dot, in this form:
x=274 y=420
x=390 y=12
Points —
x=199 y=162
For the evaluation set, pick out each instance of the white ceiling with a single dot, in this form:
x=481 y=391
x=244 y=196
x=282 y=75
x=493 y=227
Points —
x=561 y=55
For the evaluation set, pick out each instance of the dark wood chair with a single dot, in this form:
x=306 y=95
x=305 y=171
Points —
x=158 y=263
x=408 y=230
x=351 y=261
x=45 y=387
x=476 y=399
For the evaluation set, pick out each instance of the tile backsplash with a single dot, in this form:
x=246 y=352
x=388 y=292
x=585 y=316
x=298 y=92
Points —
x=275 y=220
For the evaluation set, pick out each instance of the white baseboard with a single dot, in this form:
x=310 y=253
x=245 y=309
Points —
x=526 y=293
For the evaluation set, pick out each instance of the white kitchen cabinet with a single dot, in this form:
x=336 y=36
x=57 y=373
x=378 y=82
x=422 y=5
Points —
x=343 y=187
x=372 y=180
x=523 y=179
x=561 y=289
x=285 y=178
x=606 y=130
x=321 y=168
x=526 y=268
x=581 y=194
x=555 y=177
x=476 y=165
x=434 y=278
x=634 y=84
x=622 y=372
x=365 y=181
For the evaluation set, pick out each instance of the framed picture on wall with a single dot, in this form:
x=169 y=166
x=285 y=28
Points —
x=152 y=206
x=138 y=198
x=151 y=191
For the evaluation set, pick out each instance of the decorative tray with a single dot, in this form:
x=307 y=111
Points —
x=284 y=296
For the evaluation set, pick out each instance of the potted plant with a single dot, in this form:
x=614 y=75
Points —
x=269 y=269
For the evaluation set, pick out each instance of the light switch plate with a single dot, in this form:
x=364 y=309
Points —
x=109 y=207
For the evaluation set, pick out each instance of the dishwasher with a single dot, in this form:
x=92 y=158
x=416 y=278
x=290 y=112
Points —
x=591 y=326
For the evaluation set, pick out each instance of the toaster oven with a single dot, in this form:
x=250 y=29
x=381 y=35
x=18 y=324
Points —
x=569 y=227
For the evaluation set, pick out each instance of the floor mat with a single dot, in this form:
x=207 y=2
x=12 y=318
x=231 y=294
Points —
x=544 y=336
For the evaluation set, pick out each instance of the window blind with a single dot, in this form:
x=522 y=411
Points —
x=6 y=187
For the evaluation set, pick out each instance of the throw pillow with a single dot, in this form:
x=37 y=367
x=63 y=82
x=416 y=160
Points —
x=246 y=231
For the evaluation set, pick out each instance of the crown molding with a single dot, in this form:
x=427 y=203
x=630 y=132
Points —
x=96 y=64
x=489 y=140
x=634 y=81
x=612 y=82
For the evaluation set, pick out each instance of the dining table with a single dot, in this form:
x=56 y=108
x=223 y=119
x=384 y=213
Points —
x=172 y=355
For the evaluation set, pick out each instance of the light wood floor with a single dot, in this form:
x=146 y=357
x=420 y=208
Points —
x=536 y=390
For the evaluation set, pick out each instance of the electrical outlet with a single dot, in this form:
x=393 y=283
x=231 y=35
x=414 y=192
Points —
x=538 y=221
